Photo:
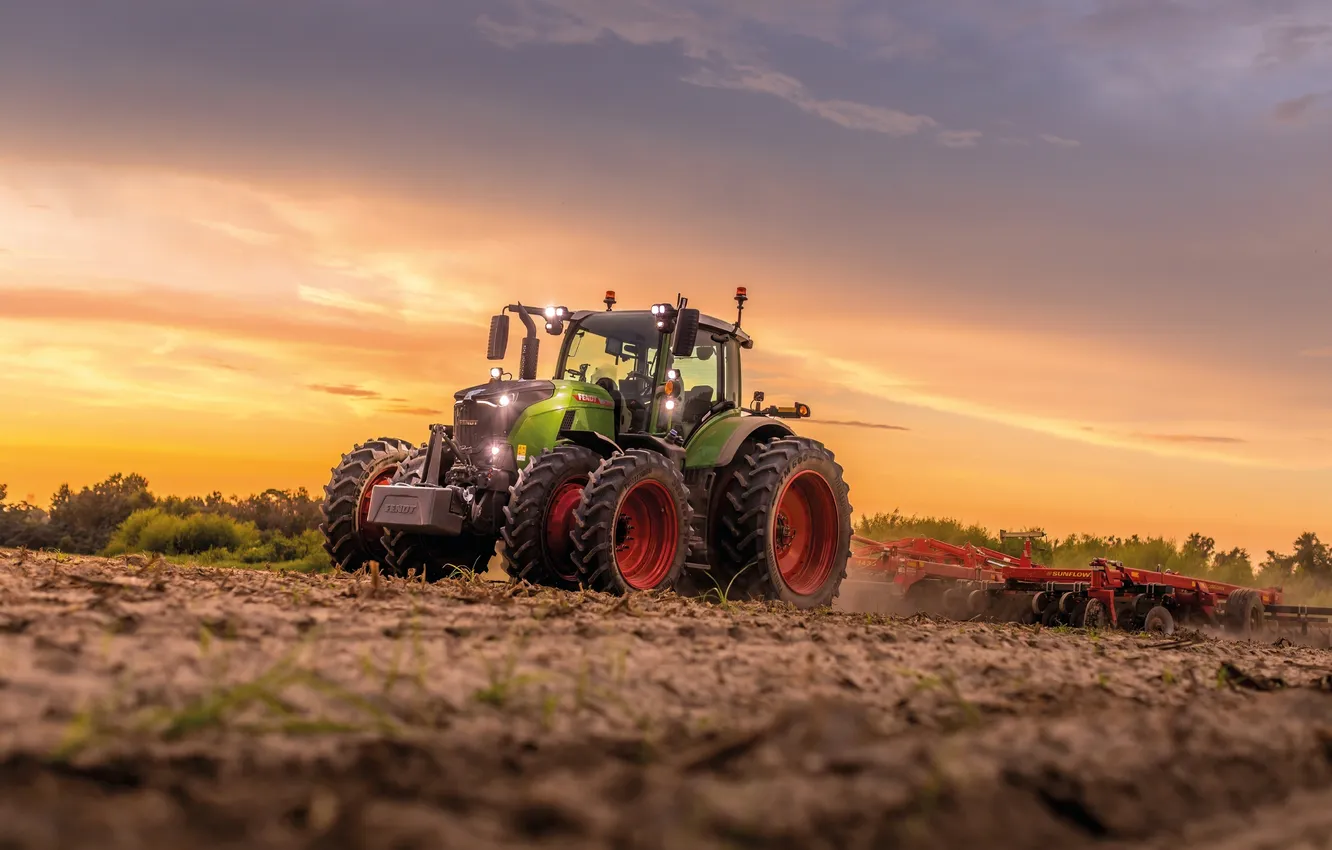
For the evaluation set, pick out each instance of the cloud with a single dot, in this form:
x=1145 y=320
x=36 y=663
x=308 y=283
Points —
x=846 y=113
x=851 y=423
x=712 y=37
x=1300 y=109
x=1292 y=43
x=1059 y=141
x=128 y=304
x=406 y=410
x=959 y=138
x=1199 y=439
x=345 y=390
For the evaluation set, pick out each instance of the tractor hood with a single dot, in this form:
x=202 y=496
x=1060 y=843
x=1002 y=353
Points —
x=491 y=390
x=484 y=415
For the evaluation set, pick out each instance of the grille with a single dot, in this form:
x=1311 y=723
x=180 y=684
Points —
x=464 y=413
x=472 y=439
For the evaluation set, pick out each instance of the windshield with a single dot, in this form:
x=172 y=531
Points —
x=617 y=347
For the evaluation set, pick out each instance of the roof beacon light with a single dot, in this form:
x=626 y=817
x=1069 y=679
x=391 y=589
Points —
x=610 y=299
x=741 y=296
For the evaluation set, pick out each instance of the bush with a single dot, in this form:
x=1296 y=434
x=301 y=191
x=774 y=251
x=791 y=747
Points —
x=153 y=530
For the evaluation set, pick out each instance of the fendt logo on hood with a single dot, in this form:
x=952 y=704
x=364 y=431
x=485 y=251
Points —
x=400 y=509
x=592 y=399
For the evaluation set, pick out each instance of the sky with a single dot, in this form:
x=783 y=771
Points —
x=1076 y=253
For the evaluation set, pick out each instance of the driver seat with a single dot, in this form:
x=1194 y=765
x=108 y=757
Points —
x=608 y=384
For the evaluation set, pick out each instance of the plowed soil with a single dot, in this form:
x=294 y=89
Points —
x=143 y=705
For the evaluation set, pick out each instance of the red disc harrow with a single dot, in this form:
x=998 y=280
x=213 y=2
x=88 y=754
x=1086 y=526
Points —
x=968 y=582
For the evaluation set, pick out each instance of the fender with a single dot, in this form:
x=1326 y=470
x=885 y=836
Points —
x=598 y=443
x=717 y=440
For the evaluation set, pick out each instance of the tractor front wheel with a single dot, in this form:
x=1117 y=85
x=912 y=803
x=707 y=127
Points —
x=538 y=543
x=349 y=538
x=786 y=524
x=429 y=555
x=631 y=525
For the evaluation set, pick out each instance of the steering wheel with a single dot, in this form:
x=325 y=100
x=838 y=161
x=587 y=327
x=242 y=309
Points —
x=641 y=378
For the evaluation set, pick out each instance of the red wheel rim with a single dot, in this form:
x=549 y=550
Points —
x=559 y=522
x=647 y=535
x=367 y=529
x=805 y=532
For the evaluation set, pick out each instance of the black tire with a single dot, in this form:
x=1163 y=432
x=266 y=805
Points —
x=1159 y=621
x=1095 y=615
x=435 y=557
x=755 y=531
x=1244 y=612
x=925 y=597
x=635 y=507
x=349 y=541
x=979 y=603
x=538 y=547
x=955 y=604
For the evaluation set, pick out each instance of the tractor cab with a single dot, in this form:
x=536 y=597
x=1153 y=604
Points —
x=656 y=388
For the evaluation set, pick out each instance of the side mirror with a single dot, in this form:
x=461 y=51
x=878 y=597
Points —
x=686 y=333
x=499 y=337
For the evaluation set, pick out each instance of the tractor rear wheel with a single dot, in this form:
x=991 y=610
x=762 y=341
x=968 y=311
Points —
x=349 y=538
x=631 y=526
x=786 y=523
x=429 y=555
x=539 y=519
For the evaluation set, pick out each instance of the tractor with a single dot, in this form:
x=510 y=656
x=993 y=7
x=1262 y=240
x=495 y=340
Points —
x=635 y=468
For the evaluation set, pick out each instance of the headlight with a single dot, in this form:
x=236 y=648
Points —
x=494 y=450
x=504 y=400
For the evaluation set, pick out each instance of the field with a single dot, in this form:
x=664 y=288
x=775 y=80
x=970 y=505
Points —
x=147 y=704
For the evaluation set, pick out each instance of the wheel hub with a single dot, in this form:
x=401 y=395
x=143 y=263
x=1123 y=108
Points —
x=646 y=535
x=805 y=532
x=624 y=533
x=786 y=533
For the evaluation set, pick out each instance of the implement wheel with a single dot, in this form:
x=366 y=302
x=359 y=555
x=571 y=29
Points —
x=785 y=524
x=1243 y=615
x=631 y=526
x=1159 y=622
x=538 y=531
x=429 y=555
x=349 y=538
x=1095 y=615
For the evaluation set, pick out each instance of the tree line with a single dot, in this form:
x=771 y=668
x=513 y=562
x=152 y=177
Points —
x=122 y=514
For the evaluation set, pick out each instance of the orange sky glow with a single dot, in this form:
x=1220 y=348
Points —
x=1058 y=347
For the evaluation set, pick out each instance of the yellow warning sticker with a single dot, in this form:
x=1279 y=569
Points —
x=522 y=452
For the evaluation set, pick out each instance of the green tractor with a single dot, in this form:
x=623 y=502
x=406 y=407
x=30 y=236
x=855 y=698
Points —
x=635 y=468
